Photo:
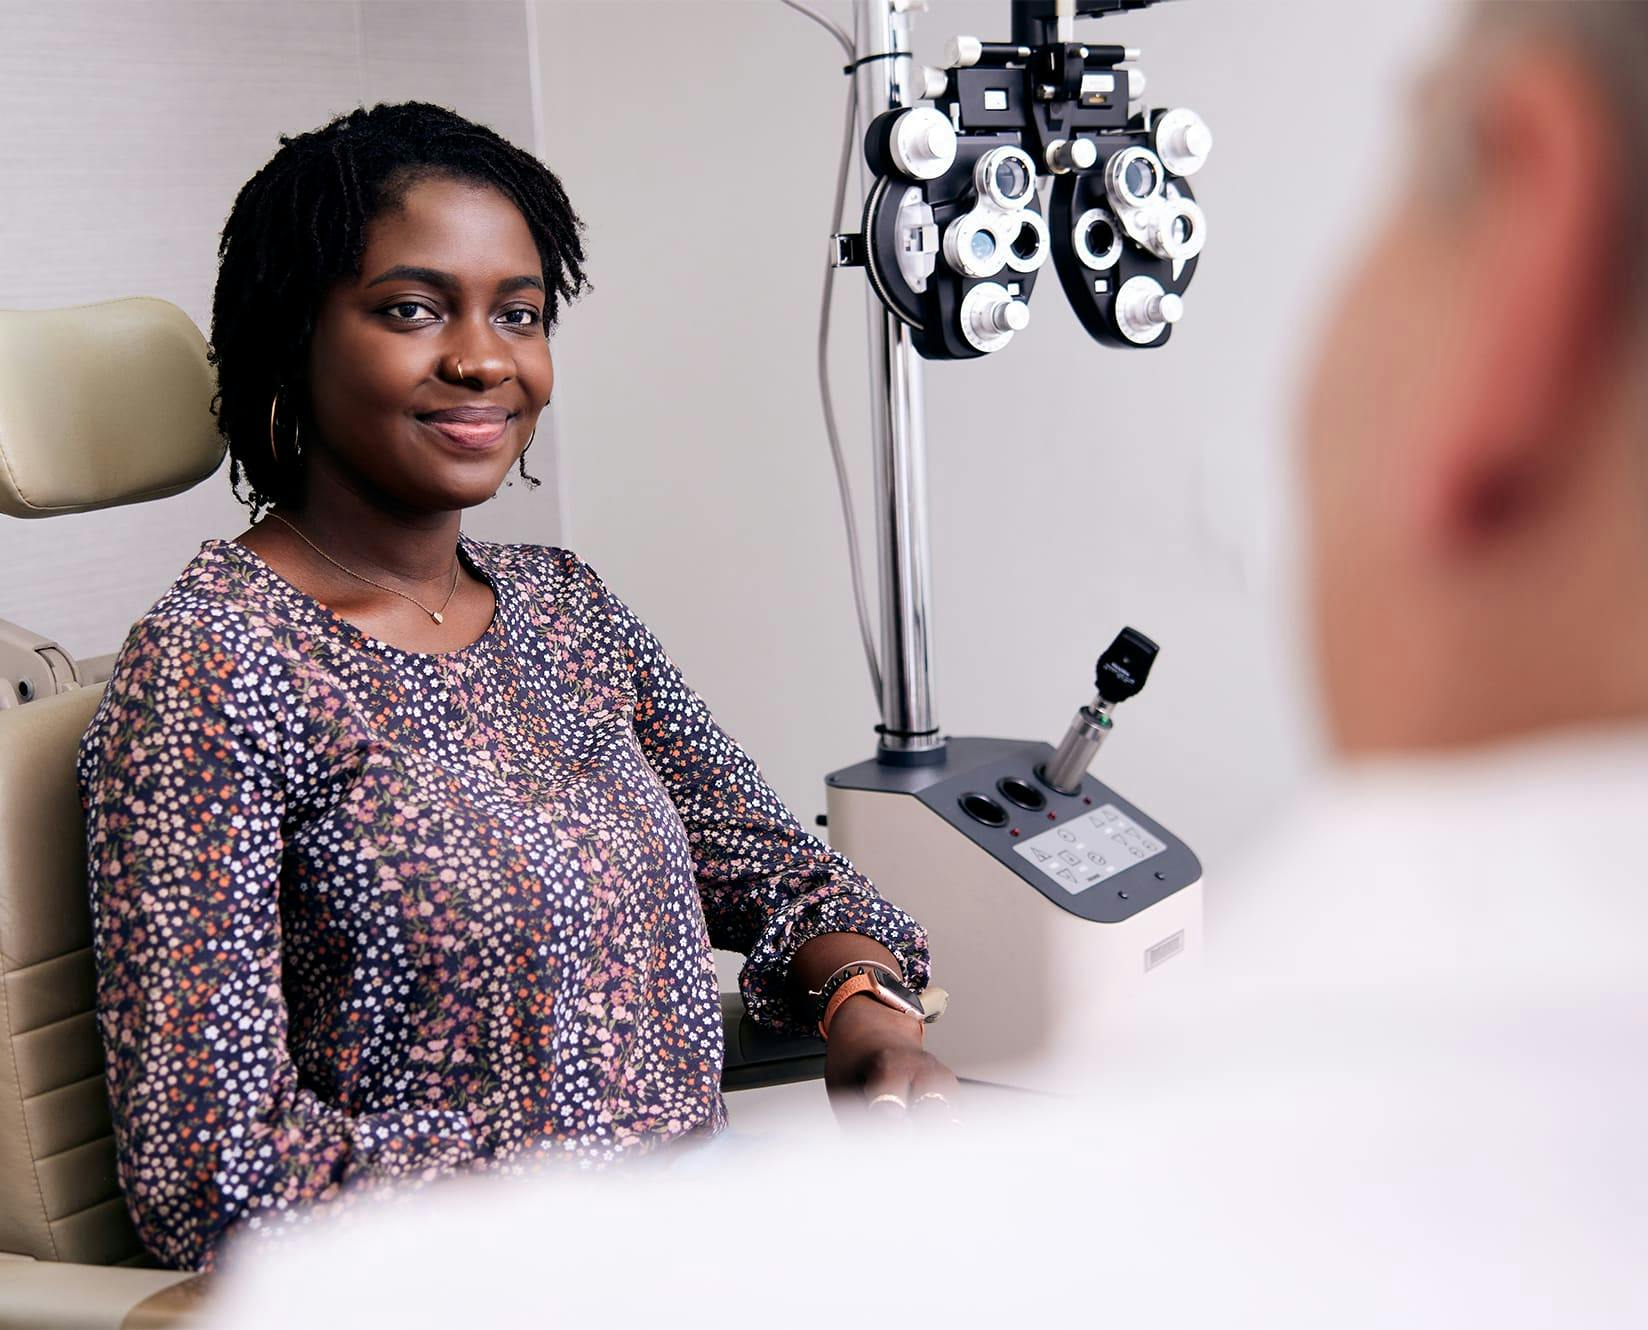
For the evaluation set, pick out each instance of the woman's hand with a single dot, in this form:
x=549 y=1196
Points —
x=874 y=1052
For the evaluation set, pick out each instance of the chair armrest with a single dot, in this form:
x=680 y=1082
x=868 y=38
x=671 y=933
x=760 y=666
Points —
x=63 y=1295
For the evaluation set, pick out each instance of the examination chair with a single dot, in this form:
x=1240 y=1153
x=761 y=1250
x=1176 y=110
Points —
x=102 y=405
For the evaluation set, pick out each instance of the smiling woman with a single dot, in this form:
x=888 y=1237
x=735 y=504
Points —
x=407 y=850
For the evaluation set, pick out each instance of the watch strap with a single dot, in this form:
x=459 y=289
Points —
x=866 y=983
x=859 y=983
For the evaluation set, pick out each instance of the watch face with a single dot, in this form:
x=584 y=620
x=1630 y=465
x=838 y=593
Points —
x=897 y=991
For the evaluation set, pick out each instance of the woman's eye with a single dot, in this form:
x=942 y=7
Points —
x=404 y=305
x=532 y=316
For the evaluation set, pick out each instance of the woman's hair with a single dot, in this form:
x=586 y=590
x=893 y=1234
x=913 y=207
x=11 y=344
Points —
x=300 y=223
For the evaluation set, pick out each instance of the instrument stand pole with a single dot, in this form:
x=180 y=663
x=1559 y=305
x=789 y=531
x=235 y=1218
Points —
x=909 y=729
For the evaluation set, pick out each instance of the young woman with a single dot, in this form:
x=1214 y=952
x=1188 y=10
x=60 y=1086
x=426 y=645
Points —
x=408 y=849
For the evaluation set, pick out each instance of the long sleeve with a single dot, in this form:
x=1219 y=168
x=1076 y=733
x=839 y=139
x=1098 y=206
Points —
x=182 y=784
x=767 y=885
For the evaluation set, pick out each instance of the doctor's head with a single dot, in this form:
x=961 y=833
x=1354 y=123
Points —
x=397 y=267
x=1476 y=430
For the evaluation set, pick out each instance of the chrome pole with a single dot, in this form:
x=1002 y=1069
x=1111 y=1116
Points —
x=899 y=426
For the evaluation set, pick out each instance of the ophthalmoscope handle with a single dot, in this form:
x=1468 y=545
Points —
x=1120 y=674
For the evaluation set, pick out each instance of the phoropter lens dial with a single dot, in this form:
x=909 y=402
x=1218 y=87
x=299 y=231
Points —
x=1133 y=178
x=972 y=246
x=1097 y=237
x=1028 y=248
x=1005 y=177
x=1176 y=229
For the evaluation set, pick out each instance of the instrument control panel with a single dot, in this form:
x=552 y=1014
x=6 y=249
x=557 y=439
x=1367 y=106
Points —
x=1090 y=852
x=1085 y=852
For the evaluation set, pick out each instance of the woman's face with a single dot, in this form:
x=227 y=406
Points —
x=451 y=276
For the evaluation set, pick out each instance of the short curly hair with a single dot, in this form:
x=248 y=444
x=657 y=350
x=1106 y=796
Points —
x=300 y=223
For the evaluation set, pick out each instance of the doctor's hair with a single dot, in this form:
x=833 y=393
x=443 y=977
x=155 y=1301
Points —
x=1612 y=41
x=300 y=224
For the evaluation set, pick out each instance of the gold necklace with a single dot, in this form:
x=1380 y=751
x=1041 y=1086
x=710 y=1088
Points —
x=436 y=615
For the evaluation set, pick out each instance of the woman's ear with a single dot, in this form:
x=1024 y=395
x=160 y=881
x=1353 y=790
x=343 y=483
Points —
x=1537 y=236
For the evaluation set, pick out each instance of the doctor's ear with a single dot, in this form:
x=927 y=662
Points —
x=1545 y=286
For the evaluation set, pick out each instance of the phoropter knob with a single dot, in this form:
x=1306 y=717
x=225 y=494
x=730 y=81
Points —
x=1183 y=141
x=1144 y=310
x=923 y=143
x=990 y=317
x=1065 y=155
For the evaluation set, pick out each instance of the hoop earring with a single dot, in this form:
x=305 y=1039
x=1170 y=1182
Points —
x=297 y=447
x=529 y=438
x=273 y=403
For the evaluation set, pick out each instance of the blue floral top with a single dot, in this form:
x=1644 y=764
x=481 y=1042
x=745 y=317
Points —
x=363 y=914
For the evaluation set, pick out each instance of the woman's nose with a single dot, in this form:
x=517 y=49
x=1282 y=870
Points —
x=479 y=368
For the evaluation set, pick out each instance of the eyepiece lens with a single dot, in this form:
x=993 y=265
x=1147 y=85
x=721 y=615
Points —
x=1182 y=229
x=1026 y=242
x=983 y=244
x=1100 y=237
x=1140 y=178
x=1011 y=178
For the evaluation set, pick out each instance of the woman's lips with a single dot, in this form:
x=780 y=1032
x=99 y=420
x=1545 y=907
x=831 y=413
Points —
x=471 y=433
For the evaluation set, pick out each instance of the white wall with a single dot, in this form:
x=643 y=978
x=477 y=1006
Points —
x=1074 y=488
x=126 y=129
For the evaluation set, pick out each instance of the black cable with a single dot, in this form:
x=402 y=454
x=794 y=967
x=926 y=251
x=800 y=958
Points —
x=879 y=55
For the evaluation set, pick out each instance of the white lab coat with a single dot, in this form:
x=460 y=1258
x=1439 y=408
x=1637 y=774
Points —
x=1411 y=1091
x=1416 y=1086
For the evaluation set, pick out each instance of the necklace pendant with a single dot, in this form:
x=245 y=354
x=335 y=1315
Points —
x=437 y=617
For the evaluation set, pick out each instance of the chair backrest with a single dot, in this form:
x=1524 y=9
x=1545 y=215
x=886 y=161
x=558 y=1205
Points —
x=100 y=405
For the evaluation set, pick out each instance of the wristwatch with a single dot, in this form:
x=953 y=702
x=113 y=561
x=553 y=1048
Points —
x=871 y=978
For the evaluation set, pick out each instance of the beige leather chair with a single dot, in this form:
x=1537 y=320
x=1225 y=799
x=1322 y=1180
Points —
x=99 y=405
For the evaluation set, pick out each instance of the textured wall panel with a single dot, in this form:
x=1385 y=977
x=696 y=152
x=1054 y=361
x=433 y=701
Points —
x=126 y=128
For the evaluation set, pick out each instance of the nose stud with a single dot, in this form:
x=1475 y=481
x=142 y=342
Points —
x=460 y=370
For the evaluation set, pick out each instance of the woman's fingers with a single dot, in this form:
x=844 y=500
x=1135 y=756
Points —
x=935 y=1093
x=910 y=1085
x=888 y=1082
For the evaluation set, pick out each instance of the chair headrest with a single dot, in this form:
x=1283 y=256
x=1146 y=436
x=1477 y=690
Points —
x=102 y=405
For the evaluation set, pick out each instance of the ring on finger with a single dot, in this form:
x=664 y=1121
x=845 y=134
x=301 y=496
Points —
x=889 y=1098
x=934 y=1095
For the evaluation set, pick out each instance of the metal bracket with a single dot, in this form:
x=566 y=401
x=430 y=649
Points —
x=847 y=251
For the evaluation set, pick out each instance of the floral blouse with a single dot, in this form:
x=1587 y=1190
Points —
x=363 y=914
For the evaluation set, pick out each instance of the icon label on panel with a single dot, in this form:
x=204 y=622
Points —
x=1087 y=851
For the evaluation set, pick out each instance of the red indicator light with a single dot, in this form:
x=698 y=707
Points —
x=1052 y=817
x=1013 y=832
x=1086 y=800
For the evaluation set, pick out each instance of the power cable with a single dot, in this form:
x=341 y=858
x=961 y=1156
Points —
x=849 y=513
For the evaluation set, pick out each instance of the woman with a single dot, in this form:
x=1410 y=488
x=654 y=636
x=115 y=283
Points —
x=408 y=849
